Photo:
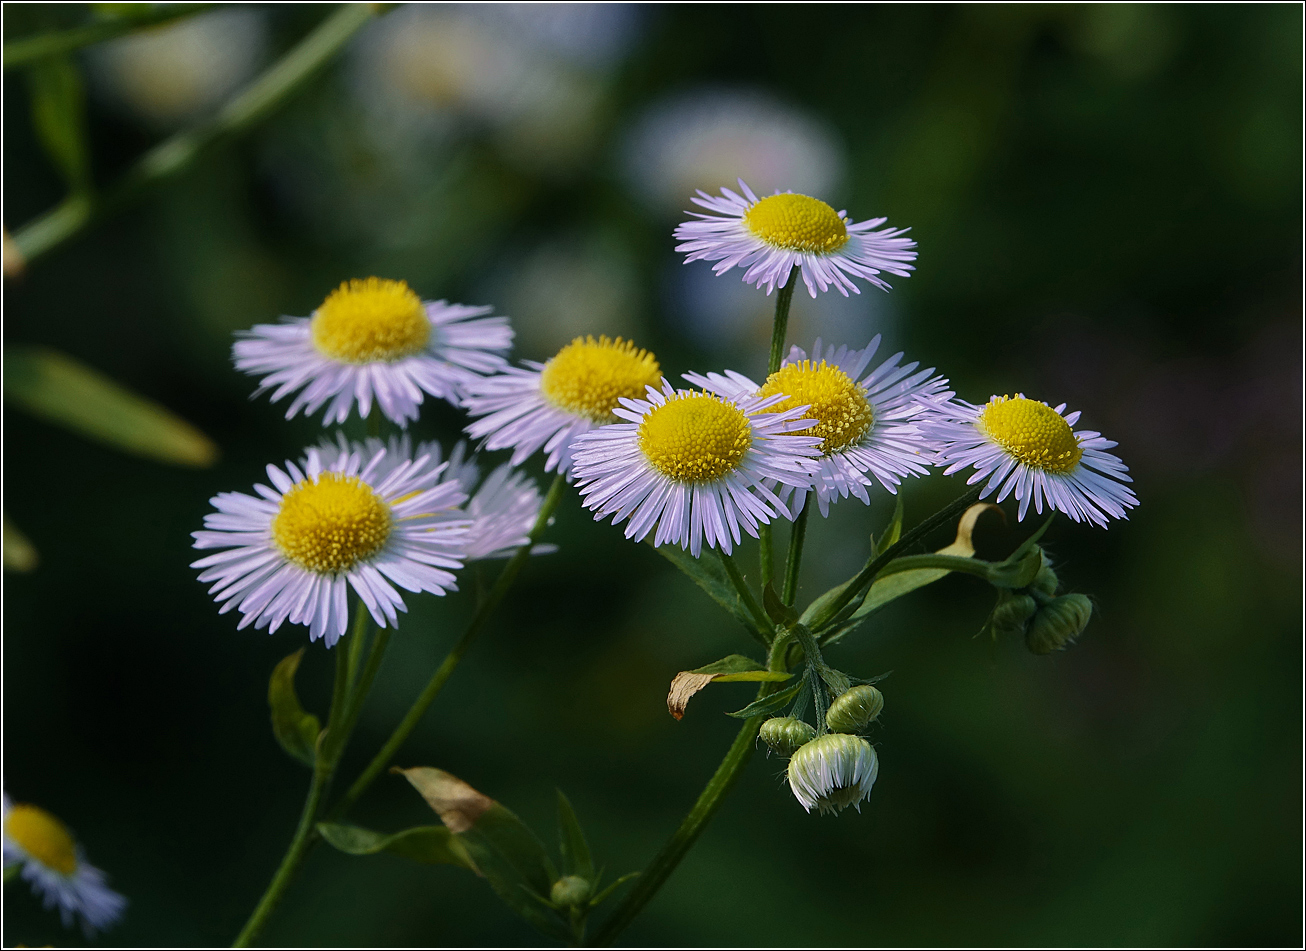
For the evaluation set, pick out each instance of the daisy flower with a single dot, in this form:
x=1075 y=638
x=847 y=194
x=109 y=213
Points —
x=548 y=405
x=361 y=519
x=770 y=236
x=53 y=864
x=374 y=339
x=1028 y=448
x=867 y=424
x=694 y=466
x=502 y=508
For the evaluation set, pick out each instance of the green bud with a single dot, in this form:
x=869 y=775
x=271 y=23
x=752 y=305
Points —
x=1011 y=614
x=1058 y=623
x=1046 y=581
x=570 y=891
x=854 y=709
x=786 y=734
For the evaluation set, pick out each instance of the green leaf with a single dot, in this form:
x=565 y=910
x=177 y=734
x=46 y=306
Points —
x=777 y=610
x=607 y=892
x=711 y=577
x=62 y=390
x=771 y=704
x=296 y=730
x=893 y=531
x=59 y=115
x=19 y=553
x=890 y=587
x=430 y=845
x=576 y=858
x=732 y=669
x=509 y=855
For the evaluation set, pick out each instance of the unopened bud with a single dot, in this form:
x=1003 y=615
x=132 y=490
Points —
x=1011 y=614
x=1058 y=623
x=1046 y=581
x=833 y=772
x=570 y=891
x=786 y=734
x=854 y=709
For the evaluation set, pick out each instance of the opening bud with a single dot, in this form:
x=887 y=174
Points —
x=854 y=709
x=1011 y=614
x=1058 y=623
x=786 y=734
x=570 y=891
x=833 y=772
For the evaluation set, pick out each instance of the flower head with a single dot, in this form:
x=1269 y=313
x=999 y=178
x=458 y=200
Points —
x=1028 y=448
x=550 y=404
x=868 y=425
x=833 y=772
x=363 y=518
x=53 y=863
x=693 y=465
x=770 y=236
x=374 y=339
x=502 y=507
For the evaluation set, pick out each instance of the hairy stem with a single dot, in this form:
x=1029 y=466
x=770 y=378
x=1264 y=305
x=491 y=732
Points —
x=795 y=560
x=746 y=595
x=779 y=327
x=446 y=668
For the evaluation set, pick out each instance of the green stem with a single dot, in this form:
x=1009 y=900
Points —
x=177 y=153
x=359 y=694
x=357 y=638
x=303 y=836
x=796 y=538
x=746 y=595
x=779 y=327
x=867 y=575
x=722 y=781
x=29 y=49
x=446 y=668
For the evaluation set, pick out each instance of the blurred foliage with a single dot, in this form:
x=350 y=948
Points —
x=1107 y=200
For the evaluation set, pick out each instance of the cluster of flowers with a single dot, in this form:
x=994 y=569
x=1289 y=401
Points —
x=689 y=466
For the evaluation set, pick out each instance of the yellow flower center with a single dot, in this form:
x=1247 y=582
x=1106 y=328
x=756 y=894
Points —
x=840 y=408
x=797 y=223
x=1032 y=432
x=330 y=525
x=43 y=837
x=370 y=321
x=587 y=377
x=695 y=437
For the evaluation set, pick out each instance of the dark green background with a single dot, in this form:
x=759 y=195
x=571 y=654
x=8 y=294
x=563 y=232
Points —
x=1107 y=202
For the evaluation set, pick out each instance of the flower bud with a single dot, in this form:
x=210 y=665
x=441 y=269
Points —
x=1011 y=614
x=570 y=891
x=854 y=709
x=1058 y=623
x=1046 y=581
x=786 y=734
x=833 y=772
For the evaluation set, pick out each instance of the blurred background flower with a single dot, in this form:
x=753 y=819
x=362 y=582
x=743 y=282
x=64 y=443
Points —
x=1064 y=169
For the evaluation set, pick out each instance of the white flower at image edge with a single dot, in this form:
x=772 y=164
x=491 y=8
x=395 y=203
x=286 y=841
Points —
x=693 y=466
x=365 y=520
x=53 y=864
x=1028 y=449
x=770 y=236
x=376 y=340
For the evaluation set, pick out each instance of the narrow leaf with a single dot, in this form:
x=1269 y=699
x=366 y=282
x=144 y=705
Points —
x=58 y=388
x=711 y=577
x=19 y=553
x=893 y=531
x=510 y=856
x=777 y=610
x=295 y=729
x=576 y=859
x=430 y=845
x=607 y=892
x=771 y=704
x=59 y=115
x=731 y=669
